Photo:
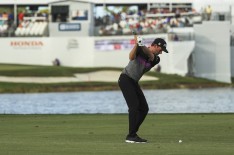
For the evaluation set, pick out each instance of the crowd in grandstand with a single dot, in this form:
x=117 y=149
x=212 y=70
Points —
x=145 y=22
x=28 y=24
x=155 y=20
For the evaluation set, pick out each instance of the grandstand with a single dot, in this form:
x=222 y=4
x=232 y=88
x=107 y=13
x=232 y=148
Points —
x=23 y=18
x=146 y=18
x=73 y=31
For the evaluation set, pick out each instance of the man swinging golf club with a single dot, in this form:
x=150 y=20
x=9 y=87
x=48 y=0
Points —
x=142 y=59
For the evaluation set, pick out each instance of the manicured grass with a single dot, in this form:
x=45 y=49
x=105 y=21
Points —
x=202 y=134
x=44 y=71
x=166 y=81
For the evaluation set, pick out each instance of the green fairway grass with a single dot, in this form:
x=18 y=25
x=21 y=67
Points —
x=166 y=81
x=104 y=134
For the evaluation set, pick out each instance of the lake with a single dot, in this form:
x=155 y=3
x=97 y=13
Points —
x=218 y=100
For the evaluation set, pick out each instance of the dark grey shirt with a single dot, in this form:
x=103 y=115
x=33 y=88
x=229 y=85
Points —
x=140 y=65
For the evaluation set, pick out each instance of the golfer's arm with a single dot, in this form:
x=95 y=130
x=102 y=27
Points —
x=132 y=54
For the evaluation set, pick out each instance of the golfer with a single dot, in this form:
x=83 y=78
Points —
x=142 y=59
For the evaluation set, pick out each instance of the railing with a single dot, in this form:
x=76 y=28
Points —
x=217 y=16
x=181 y=36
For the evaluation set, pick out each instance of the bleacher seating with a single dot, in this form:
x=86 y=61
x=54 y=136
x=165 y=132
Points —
x=30 y=28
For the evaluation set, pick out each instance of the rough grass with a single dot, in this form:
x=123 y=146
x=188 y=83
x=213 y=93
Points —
x=202 y=134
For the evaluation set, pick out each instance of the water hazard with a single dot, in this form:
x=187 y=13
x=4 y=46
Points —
x=220 y=100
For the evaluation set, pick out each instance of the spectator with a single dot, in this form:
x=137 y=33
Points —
x=10 y=18
x=56 y=62
x=177 y=13
x=208 y=12
x=20 y=17
x=158 y=68
x=58 y=19
x=5 y=16
x=176 y=38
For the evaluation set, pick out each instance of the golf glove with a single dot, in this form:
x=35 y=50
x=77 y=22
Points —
x=140 y=41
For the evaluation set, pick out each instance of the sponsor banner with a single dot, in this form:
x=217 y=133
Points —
x=43 y=50
x=27 y=44
x=69 y=27
x=124 y=44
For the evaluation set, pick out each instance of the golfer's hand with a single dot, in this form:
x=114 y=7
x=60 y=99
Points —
x=140 y=41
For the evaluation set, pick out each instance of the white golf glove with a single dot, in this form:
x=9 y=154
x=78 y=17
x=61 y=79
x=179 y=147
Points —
x=140 y=41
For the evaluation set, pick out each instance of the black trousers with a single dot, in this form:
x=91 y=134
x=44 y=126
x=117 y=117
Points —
x=137 y=104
